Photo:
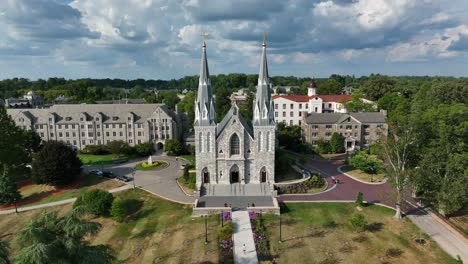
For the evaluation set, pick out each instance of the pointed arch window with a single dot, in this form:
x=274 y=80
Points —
x=268 y=143
x=234 y=145
x=200 y=142
x=260 y=139
x=208 y=142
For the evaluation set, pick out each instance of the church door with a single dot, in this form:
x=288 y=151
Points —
x=206 y=177
x=234 y=176
x=263 y=176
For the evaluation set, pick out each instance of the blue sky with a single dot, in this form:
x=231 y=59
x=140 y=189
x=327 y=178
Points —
x=161 y=39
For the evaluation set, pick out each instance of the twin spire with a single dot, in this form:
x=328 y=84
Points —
x=204 y=105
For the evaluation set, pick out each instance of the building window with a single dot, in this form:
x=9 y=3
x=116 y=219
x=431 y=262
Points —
x=90 y=134
x=276 y=106
x=315 y=127
x=82 y=134
x=139 y=133
x=67 y=134
x=82 y=126
x=60 y=134
x=83 y=142
x=349 y=127
x=98 y=126
x=314 y=134
x=208 y=140
x=51 y=134
x=121 y=133
x=328 y=127
x=114 y=133
x=234 y=144
x=291 y=114
x=307 y=106
x=115 y=118
x=98 y=134
x=107 y=134
x=129 y=134
x=268 y=145
x=276 y=114
x=90 y=126
x=300 y=113
x=74 y=135
x=290 y=122
x=129 y=126
x=327 y=134
x=329 y=105
x=284 y=114
x=292 y=106
x=59 y=126
x=300 y=106
x=97 y=118
x=284 y=106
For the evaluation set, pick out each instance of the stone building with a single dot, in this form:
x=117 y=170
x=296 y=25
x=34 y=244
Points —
x=92 y=124
x=30 y=100
x=359 y=129
x=234 y=157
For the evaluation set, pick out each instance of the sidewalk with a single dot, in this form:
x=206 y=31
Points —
x=67 y=201
x=243 y=236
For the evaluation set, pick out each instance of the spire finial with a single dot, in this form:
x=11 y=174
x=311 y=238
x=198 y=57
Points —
x=264 y=39
x=204 y=35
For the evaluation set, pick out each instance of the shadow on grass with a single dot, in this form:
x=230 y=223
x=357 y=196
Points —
x=36 y=196
x=132 y=205
x=374 y=227
x=313 y=233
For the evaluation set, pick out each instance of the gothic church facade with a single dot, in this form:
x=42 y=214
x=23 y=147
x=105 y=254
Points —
x=234 y=156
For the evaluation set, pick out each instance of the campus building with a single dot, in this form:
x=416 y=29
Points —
x=359 y=129
x=30 y=100
x=93 y=124
x=233 y=157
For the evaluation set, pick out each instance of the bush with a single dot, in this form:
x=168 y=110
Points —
x=118 y=210
x=358 y=222
x=225 y=232
x=359 y=198
x=55 y=164
x=367 y=163
x=95 y=150
x=144 y=149
x=323 y=147
x=98 y=202
x=119 y=147
x=173 y=147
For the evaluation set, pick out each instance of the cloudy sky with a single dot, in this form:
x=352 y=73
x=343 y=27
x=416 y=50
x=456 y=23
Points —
x=160 y=39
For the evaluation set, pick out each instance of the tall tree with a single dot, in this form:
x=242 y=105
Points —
x=8 y=188
x=377 y=86
x=53 y=239
x=337 y=142
x=223 y=102
x=55 y=164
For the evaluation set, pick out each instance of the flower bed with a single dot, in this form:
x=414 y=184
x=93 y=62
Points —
x=225 y=230
x=156 y=165
x=262 y=245
x=316 y=181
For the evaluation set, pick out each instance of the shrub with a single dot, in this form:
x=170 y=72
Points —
x=366 y=163
x=55 y=164
x=358 y=222
x=323 y=147
x=173 y=147
x=98 y=202
x=359 y=198
x=119 y=147
x=225 y=232
x=144 y=149
x=95 y=150
x=118 y=210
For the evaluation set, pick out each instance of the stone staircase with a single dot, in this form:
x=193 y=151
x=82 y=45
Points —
x=237 y=189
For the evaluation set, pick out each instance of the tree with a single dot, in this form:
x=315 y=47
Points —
x=323 y=147
x=330 y=86
x=173 y=147
x=144 y=149
x=358 y=105
x=118 y=210
x=377 y=86
x=397 y=150
x=4 y=258
x=187 y=105
x=337 y=142
x=119 y=147
x=365 y=162
x=246 y=109
x=8 y=188
x=53 y=239
x=33 y=141
x=96 y=201
x=359 y=198
x=358 y=222
x=55 y=164
x=223 y=102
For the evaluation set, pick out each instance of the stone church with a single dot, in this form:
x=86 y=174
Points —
x=234 y=157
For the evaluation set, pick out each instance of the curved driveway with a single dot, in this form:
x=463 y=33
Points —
x=162 y=182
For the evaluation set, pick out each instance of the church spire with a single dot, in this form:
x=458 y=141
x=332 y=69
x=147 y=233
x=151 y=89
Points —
x=204 y=105
x=263 y=110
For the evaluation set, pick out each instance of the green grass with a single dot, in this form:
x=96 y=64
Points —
x=189 y=184
x=90 y=181
x=89 y=159
x=321 y=233
x=156 y=166
x=189 y=158
x=363 y=176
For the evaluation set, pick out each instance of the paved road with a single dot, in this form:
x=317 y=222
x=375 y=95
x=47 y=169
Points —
x=244 y=245
x=381 y=193
x=162 y=182
x=67 y=201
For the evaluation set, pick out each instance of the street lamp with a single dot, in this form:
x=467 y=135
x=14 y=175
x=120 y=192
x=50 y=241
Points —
x=133 y=178
x=206 y=228
x=16 y=206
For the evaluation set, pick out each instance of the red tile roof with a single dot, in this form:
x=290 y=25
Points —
x=326 y=98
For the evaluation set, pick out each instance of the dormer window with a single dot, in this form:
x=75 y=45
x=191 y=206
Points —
x=115 y=118
x=68 y=118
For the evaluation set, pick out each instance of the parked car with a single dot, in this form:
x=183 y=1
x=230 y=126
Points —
x=108 y=174
x=124 y=178
x=96 y=171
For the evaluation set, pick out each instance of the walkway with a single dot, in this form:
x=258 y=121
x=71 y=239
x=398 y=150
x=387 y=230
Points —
x=347 y=189
x=162 y=183
x=243 y=236
x=62 y=202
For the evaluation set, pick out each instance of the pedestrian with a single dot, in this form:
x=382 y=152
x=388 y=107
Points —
x=244 y=249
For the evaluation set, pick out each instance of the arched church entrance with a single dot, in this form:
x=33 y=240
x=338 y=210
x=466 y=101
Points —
x=159 y=146
x=263 y=175
x=234 y=173
x=206 y=176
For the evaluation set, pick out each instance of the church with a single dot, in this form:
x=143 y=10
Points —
x=234 y=157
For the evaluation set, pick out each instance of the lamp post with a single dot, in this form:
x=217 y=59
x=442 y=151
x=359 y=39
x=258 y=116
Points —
x=206 y=229
x=16 y=206
x=222 y=219
x=133 y=178
x=280 y=235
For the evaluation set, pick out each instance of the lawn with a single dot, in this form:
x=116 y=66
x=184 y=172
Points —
x=320 y=233
x=188 y=184
x=89 y=159
x=363 y=176
x=156 y=231
x=157 y=165
x=189 y=158
x=90 y=181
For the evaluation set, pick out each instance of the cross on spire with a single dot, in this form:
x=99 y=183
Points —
x=204 y=35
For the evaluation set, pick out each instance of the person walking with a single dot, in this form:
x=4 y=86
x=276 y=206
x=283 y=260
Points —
x=244 y=249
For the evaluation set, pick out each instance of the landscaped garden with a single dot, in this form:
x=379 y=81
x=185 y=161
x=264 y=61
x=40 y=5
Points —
x=346 y=233
x=362 y=175
x=155 y=165
x=188 y=180
x=153 y=231
x=90 y=159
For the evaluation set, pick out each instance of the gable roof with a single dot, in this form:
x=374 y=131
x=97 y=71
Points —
x=234 y=111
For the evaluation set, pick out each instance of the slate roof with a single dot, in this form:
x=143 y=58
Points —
x=140 y=112
x=333 y=118
x=234 y=111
